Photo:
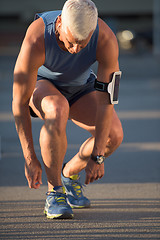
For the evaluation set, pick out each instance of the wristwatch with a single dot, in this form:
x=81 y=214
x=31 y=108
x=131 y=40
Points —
x=98 y=159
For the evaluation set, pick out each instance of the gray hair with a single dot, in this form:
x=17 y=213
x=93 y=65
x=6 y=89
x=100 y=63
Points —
x=80 y=16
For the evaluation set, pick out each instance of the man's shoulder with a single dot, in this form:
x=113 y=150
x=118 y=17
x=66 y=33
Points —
x=107 y=48
x=34 y=37
x=49 y=16
x=107 y=41
x=105 y=33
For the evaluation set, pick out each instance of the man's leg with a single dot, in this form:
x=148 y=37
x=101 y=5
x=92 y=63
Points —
x=83 y=113
x=48 y=103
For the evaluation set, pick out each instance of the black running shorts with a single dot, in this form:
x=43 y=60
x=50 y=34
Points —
x=72 y=93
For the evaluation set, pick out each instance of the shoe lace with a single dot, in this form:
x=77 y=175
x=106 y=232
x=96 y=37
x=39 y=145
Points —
x=60 y=198
x=78 y=187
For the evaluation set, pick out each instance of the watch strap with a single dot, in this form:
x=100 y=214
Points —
x=94 y=158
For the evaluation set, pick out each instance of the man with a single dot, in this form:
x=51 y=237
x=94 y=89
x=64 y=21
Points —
x=53 y=80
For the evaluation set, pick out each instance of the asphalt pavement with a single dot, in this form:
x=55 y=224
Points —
x=126 y=201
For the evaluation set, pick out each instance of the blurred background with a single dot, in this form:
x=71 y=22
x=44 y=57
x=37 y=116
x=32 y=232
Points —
x=136 y=23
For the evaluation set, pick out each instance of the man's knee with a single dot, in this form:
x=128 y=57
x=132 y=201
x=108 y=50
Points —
x=56 y=115
x=117 y=136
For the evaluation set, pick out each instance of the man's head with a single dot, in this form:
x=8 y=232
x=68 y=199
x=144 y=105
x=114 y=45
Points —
x=80 y=17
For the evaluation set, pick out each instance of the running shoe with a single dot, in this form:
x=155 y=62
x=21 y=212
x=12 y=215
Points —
x=73 y=189
x=56 y=205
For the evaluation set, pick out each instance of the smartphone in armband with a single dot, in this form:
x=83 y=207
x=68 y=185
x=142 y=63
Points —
x=112 y=87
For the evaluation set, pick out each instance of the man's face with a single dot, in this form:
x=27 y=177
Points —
x=72 y=44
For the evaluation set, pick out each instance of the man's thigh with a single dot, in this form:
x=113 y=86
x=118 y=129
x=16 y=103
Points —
x=44 y=96
x=83 y=113
x=84 y=109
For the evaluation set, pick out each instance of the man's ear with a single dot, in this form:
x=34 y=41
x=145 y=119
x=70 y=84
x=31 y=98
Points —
x=59 y=20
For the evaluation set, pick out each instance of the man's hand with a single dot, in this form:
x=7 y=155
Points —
x=94 y=171
x=33 y=173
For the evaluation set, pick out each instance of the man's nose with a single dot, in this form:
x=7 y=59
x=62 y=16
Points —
x=76 y=48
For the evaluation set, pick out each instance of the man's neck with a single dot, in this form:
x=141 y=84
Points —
x=60 y=43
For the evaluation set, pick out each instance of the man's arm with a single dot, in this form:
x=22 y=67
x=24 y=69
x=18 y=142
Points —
x=31 y=57
x=107 y=57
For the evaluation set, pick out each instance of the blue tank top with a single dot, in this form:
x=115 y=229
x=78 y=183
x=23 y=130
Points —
x=62 y=67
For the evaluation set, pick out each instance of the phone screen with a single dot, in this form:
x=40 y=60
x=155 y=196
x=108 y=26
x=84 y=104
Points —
x=116 y=87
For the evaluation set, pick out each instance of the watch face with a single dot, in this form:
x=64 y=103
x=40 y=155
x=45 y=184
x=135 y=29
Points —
x=100 y=159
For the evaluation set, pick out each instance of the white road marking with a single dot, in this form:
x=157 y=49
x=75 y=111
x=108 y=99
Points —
x=126 y=115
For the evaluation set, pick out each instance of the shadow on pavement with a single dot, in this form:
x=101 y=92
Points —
x=106 y=219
